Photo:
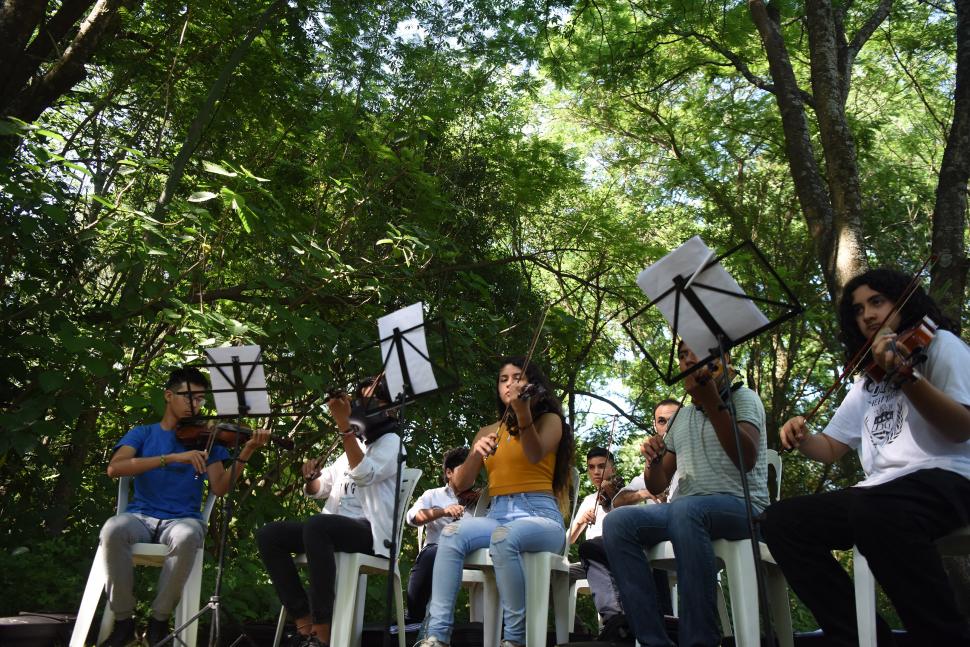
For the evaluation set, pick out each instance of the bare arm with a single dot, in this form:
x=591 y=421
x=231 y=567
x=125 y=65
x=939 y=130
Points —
x=632 y=497
x=819 y=447
x=660 y=466
x=483 y=445
x=427 y=515
x=125 y=463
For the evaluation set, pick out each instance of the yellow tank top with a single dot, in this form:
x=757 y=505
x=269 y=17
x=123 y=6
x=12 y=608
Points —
x=510 y=472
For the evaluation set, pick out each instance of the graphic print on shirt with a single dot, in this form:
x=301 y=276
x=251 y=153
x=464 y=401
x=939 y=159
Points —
x=887 y=416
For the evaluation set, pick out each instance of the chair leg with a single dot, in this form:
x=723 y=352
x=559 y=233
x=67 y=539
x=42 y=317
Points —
x=571 y=613
x=740 y=567
x=562 y=602
x=492 y=612
x=89 y=601
x=345 y=605
x=536 y=599
x=359 y=610
x=189 y=604
x=722 y=610
x=399 y=603
x=107 y=623
x=865 y=599
x=780 y=608
x=280 y=625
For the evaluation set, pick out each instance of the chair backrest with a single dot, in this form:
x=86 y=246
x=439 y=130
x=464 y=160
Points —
x=573 y=504
x=774 y=461
x=124 y=486
x=409 y=481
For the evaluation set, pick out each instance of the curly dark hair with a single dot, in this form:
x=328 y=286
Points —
x=547 y=402
x=892 y=284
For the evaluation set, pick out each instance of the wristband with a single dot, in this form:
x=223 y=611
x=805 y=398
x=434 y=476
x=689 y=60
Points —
x=161 y=460
x=345 y=434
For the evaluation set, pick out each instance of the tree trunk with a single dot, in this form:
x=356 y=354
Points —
x=830 y=83
x=18 y=21
x=838 y=241
x=69 y=69
x=949 y=274
x=68 y=483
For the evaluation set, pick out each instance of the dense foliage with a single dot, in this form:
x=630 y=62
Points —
x=283 y=173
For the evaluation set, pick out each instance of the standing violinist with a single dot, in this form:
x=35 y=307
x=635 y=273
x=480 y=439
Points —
x=165 y=509
x=594 y=565
x=434 y=509
x=357 y=518
x=527 y=454
x=911 y=428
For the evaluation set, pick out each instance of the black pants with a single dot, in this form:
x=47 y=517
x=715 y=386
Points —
x=419 y=583
x=593 y=550
x=894 y=525
x=319 y=537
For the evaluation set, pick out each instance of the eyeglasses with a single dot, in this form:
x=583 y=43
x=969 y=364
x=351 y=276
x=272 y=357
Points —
x=195 y=399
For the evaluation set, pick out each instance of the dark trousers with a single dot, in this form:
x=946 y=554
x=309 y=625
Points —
x=419 y=583
x=596 y=567
x=894 y=525
x=319 y=537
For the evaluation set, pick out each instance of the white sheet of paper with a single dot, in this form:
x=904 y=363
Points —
x=736 y=315
x=227 y=404
x=419 y=369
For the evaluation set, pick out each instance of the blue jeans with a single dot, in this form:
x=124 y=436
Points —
x=516 y=524
x=689 y=523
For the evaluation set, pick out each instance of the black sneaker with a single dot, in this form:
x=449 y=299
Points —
x=122 y=635
x=313 y=641
x=157 y=631
x=616 y=629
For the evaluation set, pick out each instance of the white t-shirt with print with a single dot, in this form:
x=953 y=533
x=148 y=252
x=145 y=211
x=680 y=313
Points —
x=891 y=436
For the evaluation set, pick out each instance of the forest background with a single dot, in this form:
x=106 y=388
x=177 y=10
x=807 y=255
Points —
x=177 y=176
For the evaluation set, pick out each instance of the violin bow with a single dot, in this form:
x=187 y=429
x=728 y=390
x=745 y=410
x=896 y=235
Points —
x=860 y=355
x=599 y=490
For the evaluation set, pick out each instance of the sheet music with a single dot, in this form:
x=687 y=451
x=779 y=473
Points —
x=419 y=368
x=257 y=397
x=737 y=315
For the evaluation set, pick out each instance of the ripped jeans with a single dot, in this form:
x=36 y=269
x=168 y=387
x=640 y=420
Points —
x=516 y=524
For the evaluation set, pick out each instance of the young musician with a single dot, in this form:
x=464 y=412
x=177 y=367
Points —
x=528 y=457
x=165 y=509
x=911 y=431
x=594 y=565
x=701 y=448
x=434 y=509
x=636 y=490
x=357 y=518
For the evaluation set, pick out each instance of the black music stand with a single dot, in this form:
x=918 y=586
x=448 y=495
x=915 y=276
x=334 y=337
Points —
x=696 y=292
x=400 y=346
x=239 y=383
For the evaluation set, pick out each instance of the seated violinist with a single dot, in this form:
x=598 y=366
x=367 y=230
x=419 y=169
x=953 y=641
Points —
x=594 y=565
x=909 y=420
x=165 y=509
x=434 y=509
x=357 y=518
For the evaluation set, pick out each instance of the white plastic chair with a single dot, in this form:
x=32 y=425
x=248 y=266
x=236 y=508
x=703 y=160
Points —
x=737 y=560
x=347 y=625
x=544 y=573
x=144 y=555
x=577 y=588
x=956 y=543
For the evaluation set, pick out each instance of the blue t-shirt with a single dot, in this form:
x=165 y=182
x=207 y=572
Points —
x=173 y=491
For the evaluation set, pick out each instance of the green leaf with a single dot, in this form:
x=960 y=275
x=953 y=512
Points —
x=202 y=196
x=212 y=167
x=50 y=381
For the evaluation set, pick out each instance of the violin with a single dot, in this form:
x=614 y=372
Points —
x=608 y=490
x=196 y=433
x=469 y=496
x=532 y=390
x=910 y=345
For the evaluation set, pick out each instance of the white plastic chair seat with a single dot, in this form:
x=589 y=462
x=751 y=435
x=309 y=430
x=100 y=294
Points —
x=956 y=543
x=143 y=554
x=346 y=628
x=577 y=588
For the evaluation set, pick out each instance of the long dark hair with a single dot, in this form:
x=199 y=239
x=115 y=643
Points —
x=546 y=402
x=891 y=284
